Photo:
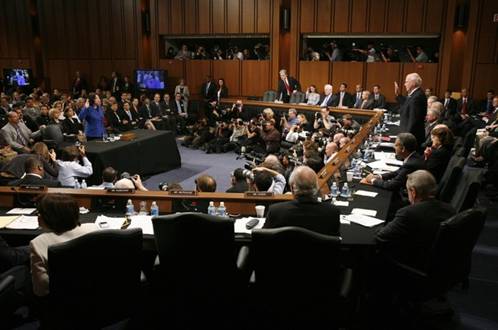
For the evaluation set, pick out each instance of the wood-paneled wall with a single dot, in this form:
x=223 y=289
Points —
x=93 y=36
x=376 y=16
x=177 y=17
x=15 y=34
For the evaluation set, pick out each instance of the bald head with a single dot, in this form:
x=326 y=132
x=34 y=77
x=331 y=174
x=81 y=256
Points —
x=303 y=182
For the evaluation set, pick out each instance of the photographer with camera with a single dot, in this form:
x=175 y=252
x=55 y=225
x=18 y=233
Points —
x=271 y=137
x=130 y=182
x=221 y=138
x=285 y=123
x=323 y=119
x=239 y=181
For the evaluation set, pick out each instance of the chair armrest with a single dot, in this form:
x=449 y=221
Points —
x=243 y=258
x=7 y=283
x=409 y=270
x=347 y=279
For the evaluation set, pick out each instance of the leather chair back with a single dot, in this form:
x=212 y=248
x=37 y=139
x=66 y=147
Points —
x=95 y=279
x=450 y=179
x=269 y=96
x=297 y=97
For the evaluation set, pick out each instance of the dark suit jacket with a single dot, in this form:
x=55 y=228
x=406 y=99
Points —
x=211 y=91
x=450 y=108
x=282 y=91
x=71 y=127
x=32 y=180
x=155 y=109
x=471 y=108
x=319 y=217
x=12 y=256
x=347 y=100
x=114 y=121
x=409 y=237
x=396 y=181
x=239 y=187
x=330 y=102
x=144 y=113
x=413 y=110
x=134 y=115
x=380 y=103
x=438 y=161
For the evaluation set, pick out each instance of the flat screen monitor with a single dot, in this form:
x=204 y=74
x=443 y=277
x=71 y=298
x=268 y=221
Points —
x=150 y=79
x=18 y=77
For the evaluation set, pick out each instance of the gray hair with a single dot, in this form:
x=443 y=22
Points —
x=434 y=111
x=415 y=77
x=423 y=182
x=438 y=106
x=304 y=182
x=432 y=99
x=292 y=110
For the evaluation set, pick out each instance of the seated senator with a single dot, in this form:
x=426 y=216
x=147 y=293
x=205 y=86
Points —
x=35 y=172
x=305 y=211
x=58 y=215
x=410 y=236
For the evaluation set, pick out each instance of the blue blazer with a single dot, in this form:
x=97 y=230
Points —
x=94 y=117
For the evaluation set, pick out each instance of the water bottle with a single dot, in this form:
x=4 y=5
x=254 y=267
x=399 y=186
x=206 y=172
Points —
x=384 y=128
x=212 y=209
x=154 y=209
x=130 y=208
x=83 y=184
x=222 y=211
x=345 y=190
x=143 y=208
x=333 y=190
x=76 y=184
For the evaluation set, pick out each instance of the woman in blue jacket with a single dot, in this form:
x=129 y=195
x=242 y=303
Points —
x=93 y=115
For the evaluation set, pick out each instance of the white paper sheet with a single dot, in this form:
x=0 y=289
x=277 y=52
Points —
x=366 y=193
x=105 y=222
x=381 y=165
x=344 y=220
x=144 y=222
x=341 y=203
x=384 y=155
x=370 y=213
x=364 y=220
x=19 y=210
x=240 y=225
x=24 y=222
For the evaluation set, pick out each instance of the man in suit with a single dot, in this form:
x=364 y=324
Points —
x=115 y=85
x=413 y=107
x=465 y=105
x=405 y=148
x=487 y=103
x=17 y=134
x=34 y=175
x=129 y=118
x=379 y=100
x=366 y=101
x=328 y=98
x=114 y=120
x=343 y=98
x=357 y=97
x=287 y=85
x=208 y=89
x=431 y=120
x=179 y=108
x=304 y=211
x=449 y=105
x=410 y=236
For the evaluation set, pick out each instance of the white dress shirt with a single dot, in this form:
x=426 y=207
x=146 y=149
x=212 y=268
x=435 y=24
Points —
x=68 y=171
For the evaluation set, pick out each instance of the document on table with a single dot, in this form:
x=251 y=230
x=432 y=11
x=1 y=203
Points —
x=370 y=213
x=343 y=219
x=5 y=220
x=144 y=222
x=19 y=210
x=381 y=165
x=105 y=222
x=240 y=225
x=384 y=155
x=387 y=145
x=366 y=193
x=364 y=220
x=341 y=203
x=24 y=222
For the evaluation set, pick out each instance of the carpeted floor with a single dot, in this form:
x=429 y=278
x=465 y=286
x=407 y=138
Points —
x=195 y=163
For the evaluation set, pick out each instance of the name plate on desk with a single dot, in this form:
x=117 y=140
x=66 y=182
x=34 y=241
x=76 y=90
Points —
x=120 y=190
x=183 y=192
x=33 y=188
x=258 y=194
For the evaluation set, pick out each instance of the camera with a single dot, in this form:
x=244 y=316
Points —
x=163 y=186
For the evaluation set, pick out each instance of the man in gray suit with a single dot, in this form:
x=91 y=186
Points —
x=17 y=134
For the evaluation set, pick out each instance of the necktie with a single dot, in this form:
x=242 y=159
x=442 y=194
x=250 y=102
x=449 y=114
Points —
x=287 y=87
x=446 y=102
x=148 y=111
x=325 y=100
x=340 y=100
x=20 y=137
x=129 y=115
x=207 y=88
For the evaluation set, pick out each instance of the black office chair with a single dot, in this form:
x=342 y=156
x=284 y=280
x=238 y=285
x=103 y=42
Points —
x=467 y=189
x=52 y=136
x=297 y=97
x=269 y=96
x=197 y=279
x=95 y=280
x=468 y=143
x=448 y=183
x=299 y=279
x=7 y=298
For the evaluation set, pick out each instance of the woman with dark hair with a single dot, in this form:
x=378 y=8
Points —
x=93 y=114
x=58 y=215
x=222 y=90
x=438 y=154
x=71 y=126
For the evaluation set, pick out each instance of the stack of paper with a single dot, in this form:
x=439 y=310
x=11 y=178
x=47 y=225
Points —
x=370 y=213
x=19 y=210
x=365 y=193
x=240 y=225
x=104 y=222
x=24 y=222
x=6 y=220
x=381 y=165
x=364 y=220
x=144 y=222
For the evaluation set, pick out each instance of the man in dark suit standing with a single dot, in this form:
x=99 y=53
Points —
x=115 y=85
x=305 y=211
x=449 y=105
x=410 y=236
x=413 y=107
x=343 y=98
x=287 y=85
x=208 y=89
x=379 y=100
x=34 y=175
